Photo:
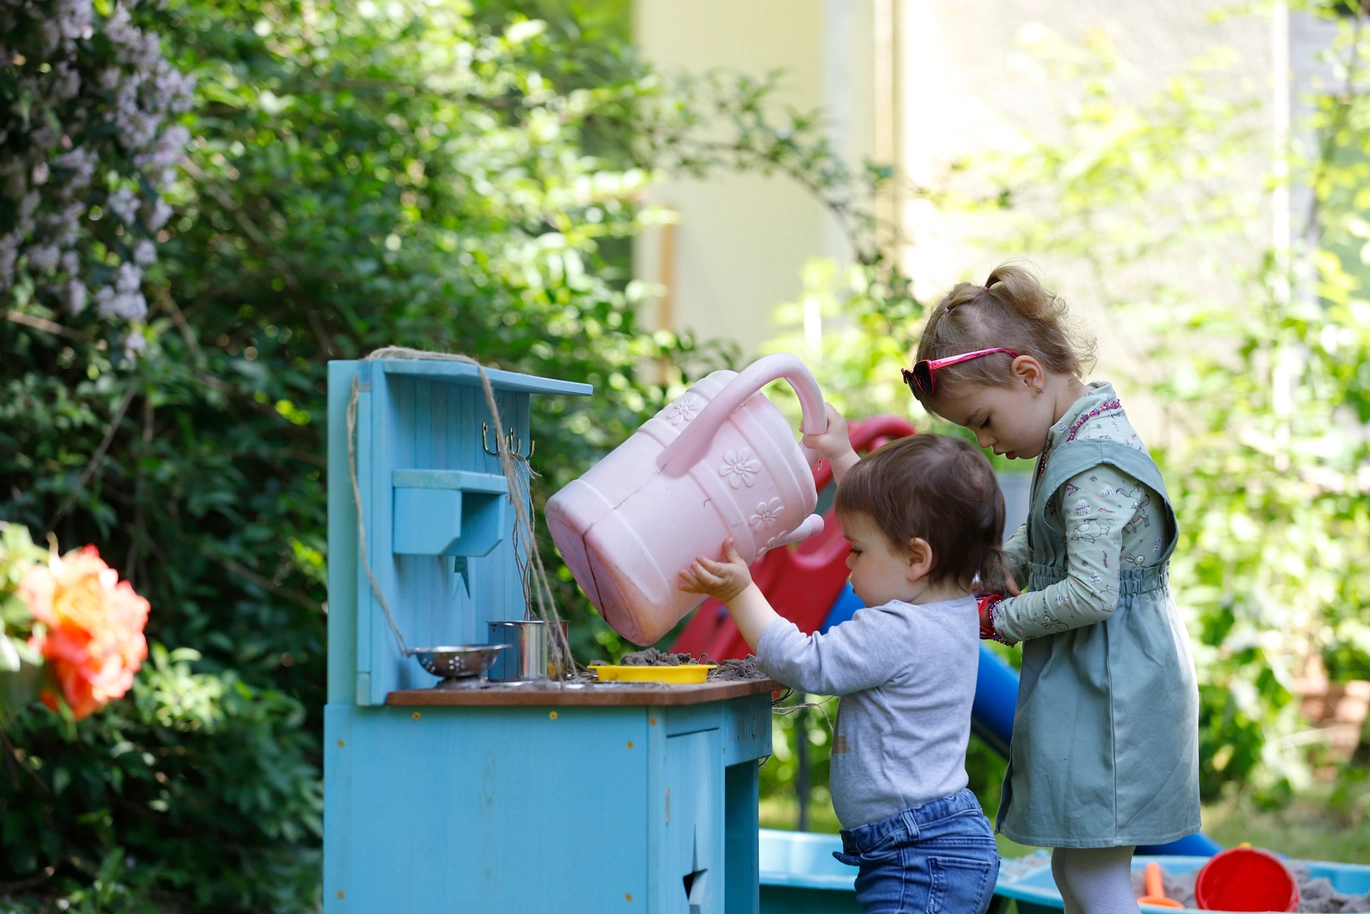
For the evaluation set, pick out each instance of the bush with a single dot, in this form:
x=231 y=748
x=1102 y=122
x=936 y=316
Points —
x=356 y=176
x=354 y=180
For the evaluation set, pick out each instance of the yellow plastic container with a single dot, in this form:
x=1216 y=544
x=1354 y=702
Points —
x=684 y=673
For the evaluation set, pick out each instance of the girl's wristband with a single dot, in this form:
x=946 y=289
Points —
x=986 y=606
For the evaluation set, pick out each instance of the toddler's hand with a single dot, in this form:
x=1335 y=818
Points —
x=1000 y=583
x=832 y=443
x=721 y=580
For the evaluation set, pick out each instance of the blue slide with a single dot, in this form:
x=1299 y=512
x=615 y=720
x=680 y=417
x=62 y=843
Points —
x=996 y=697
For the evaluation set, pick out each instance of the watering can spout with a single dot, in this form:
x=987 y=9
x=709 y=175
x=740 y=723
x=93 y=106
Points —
x=812 y=526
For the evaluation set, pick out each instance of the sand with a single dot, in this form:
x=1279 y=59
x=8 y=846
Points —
x=1315 y=894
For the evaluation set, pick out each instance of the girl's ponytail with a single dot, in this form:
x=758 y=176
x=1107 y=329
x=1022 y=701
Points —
x=1014 y=286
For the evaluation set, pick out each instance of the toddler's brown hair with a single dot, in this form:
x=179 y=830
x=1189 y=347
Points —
x=1012 y=310
x=941 y=489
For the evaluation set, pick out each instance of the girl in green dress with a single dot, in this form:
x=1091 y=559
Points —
x=1105 y=741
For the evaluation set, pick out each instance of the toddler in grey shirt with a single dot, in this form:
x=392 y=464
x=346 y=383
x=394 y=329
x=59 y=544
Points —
x=924 y=517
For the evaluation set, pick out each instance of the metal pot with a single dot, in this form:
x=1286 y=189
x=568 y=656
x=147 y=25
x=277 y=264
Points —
x=532 y=655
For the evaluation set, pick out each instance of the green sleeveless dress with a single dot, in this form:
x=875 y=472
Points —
x=1105 y=735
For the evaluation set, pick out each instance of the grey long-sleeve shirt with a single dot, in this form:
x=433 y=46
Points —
x=906 y=674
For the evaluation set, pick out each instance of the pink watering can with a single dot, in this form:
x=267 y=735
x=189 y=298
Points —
x=719 y=461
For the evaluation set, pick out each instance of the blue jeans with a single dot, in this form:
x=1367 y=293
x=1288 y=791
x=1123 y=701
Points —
x=938 y=858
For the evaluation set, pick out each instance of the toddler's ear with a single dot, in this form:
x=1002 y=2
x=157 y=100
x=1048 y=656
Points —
x=920 y=559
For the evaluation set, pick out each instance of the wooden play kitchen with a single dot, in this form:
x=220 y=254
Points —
x=455 y=780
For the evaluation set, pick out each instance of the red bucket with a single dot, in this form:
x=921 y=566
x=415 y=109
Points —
x=1246 y=879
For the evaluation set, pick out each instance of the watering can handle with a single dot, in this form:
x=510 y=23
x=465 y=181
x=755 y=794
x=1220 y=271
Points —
x=684 y=452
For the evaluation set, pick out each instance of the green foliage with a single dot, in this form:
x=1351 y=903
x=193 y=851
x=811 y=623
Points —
x=861 y=344
x=357 y=178
x=183 y=785
x=1134 y=182
x=1304 y=829
x=780 y=774
x=19 y=663
x=447 y=178
x=1262 y=375
x=358 y=175
x=1261 y=371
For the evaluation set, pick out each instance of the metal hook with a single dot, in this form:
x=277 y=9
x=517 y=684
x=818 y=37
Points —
x=513 y=443
x=484 y=429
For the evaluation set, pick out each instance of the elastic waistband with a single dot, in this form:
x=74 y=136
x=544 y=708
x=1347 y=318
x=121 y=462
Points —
x=907 y=825
x=1131 y=581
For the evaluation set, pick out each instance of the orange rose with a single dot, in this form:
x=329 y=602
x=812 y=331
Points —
x=94 y=639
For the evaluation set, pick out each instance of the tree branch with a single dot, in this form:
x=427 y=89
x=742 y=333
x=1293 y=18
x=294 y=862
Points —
x=42 y=323
x=99 y=452
x=248 y=574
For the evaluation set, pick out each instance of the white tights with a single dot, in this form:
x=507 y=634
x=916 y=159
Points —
x=1095 y=880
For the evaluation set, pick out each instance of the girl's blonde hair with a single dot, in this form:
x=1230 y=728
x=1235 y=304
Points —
x=1011 y=310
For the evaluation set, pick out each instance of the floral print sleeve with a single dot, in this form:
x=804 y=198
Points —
x=1110 y=522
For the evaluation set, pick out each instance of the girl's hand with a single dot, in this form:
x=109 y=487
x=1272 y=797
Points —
x=721 y=580
x=833 y=443
x=1011 y=586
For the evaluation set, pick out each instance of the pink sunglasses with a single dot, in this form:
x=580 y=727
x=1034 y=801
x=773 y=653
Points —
x=922 y=379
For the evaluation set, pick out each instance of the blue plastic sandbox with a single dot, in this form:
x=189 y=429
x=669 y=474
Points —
x=1028 y=879
x=800 y=876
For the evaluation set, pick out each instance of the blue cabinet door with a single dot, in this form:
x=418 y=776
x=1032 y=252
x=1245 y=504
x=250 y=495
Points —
x=692 y=876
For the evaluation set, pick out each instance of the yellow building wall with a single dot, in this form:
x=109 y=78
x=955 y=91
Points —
x=955 y=80
x=741 y=241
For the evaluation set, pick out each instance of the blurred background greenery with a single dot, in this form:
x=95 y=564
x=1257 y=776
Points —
x=471 y=177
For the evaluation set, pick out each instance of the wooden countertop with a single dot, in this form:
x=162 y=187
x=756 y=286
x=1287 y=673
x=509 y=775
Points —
x=602 y=694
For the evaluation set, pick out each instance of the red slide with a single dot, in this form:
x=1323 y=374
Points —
x=803 y=581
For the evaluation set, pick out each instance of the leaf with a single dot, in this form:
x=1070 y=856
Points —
x=18 y=689
x=9 y=655
x=520 y=32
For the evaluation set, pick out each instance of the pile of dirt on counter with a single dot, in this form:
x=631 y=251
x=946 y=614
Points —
x=1316 y=895
x=728 y=670
x=653 y=657
x=737 y=670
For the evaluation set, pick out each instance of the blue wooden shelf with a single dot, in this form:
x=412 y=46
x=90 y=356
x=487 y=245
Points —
x=462 y=373
x=448 y=512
